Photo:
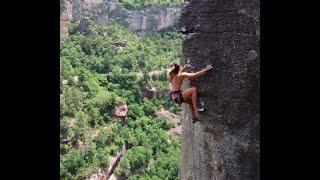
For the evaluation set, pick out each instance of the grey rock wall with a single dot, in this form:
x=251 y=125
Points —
x=152 y=19
x=225 y=144
x=65 y=18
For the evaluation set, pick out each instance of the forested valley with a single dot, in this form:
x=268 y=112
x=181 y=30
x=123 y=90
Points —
x=112 y=84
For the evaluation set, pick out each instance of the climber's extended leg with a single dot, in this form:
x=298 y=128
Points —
x=191 y=110
x=190 y=96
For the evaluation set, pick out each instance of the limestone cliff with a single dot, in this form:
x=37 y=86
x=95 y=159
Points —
x=151 y=19
x=65 y=18
x=225 y=144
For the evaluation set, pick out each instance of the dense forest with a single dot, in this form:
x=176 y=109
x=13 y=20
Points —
x=108 y=66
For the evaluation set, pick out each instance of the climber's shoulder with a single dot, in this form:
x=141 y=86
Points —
x=181 y=76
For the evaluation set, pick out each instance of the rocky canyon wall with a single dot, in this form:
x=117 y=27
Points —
x=65 y=18
x=225 y=144
x=151 y=19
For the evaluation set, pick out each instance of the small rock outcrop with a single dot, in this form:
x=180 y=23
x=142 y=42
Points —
x=225 y=144
x=120 y=112
x=148 y=92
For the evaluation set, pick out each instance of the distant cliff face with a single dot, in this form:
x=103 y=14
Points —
x=151 y=19
x=65 y=18
x=225 y=144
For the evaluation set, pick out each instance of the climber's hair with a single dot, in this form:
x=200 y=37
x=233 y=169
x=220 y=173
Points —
x=174 y=69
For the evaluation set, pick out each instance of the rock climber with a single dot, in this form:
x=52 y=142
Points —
x=188 y=96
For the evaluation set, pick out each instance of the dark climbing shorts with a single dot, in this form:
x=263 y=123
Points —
x=179 y=99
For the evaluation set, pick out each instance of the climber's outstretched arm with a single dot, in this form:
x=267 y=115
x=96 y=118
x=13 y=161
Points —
x=192 y=76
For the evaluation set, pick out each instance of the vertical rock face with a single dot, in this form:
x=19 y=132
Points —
x=225 y=143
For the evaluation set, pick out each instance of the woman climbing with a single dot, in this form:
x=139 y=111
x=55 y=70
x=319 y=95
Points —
x=188 y=96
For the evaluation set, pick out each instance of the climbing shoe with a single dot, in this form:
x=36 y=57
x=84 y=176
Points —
x=201 y=109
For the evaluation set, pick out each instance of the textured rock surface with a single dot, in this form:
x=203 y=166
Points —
x=151 y=19
x=65 y=18
x=225 y=144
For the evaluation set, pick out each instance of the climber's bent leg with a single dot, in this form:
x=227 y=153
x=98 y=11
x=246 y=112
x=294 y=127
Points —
x=195 y=98
x=191 y=99
x=191 y=94
x=187 y=94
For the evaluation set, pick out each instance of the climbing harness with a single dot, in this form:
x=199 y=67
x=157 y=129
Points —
x=179 y=99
